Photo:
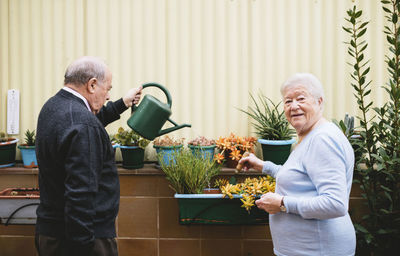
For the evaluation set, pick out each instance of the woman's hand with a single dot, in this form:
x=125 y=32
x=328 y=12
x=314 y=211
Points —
x=270 y=202
x=133 y=96
x=251 y=162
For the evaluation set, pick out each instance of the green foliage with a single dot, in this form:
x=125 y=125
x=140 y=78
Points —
x=269 y=122
x=188 y=173
x=129 y=138
x=30 y=138
x=346 y=125
x=378 y=168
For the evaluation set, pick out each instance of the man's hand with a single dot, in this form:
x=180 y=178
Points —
x=133 y=96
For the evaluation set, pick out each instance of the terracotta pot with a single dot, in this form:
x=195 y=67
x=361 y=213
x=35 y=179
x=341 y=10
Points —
x=211 y=191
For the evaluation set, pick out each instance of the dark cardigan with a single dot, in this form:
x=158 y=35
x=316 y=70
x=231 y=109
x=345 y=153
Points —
x=78 y=178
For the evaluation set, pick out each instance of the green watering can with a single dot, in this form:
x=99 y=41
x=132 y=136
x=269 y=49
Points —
x=148 y=118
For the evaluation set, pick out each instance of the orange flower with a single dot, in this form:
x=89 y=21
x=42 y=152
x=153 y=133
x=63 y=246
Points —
x=219 y=157
x=235 y=155
x=234 y=146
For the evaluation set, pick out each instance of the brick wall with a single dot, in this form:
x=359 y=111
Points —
x=148 y=223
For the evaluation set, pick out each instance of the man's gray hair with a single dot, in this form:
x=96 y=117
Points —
x=312 y=84
x=83 y=69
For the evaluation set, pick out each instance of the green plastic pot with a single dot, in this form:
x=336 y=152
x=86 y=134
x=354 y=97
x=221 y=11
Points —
x=7 y=153
x=276 y=151
x=215 y=210
x=132 y=157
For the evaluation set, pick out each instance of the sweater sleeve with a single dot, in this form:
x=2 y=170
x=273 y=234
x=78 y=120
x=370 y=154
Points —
x=111 y=112
x=325 y=165
x=270 y=168
x=83 y=166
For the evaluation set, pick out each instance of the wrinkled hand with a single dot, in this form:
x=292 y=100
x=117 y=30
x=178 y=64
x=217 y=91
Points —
x=270 y=202
x=251 y=162
x=133 y=96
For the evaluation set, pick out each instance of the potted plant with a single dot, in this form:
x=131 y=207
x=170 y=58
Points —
x=203 y=145
x=273 y=129
x=132 y=147
x=232 y=148
x=7 y=150
x=165 y=147
x=27 y=149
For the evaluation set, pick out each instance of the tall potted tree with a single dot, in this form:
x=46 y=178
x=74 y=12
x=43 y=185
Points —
x=377 y=169
x=272 y=127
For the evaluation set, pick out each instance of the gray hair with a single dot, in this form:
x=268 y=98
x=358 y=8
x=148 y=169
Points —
x=312 y=83
x=83 y=69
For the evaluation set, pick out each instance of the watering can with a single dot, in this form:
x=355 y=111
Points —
x=148 y=118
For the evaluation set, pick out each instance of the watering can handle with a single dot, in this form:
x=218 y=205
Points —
x=166 y=92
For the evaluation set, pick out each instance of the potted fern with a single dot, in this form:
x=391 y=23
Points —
x=27 y=149
x=7 y=150
x=272 y=127
x=132 y=147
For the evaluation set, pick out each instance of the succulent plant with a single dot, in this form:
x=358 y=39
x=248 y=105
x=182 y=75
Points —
x=3 y=137
x=346 y=125
x=30 y=138
x=129 y=138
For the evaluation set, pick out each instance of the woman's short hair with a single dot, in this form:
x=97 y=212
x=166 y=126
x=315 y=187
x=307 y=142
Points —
x=83 y=69
x=312 y=83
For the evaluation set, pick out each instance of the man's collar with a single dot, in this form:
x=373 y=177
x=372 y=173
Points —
x=77 y=94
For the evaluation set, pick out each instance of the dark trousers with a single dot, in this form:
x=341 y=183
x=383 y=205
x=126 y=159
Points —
x=51 y=246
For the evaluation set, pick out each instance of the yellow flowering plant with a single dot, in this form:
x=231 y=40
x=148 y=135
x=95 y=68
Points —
x=233 y=147
x=250 y=189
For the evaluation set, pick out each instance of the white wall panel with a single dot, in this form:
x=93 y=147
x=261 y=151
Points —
x=209 y=53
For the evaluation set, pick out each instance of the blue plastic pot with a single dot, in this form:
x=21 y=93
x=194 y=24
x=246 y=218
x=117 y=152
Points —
x=206 y=152
x=165 y=153
x=28 y=154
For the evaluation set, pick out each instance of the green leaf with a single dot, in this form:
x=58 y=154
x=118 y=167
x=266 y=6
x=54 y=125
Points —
x=362 y=32
x=386 y=9
x=394 y=18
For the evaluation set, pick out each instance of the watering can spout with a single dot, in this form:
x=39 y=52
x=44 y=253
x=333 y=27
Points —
x=176 y=127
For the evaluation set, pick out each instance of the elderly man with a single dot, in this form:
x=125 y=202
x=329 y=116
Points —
x=78 y=179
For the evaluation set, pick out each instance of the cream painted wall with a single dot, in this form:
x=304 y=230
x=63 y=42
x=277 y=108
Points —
x=209 y=53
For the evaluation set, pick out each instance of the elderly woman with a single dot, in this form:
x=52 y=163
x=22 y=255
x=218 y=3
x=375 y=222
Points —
x=308 y=211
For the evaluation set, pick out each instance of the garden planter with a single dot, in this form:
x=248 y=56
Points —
x=276 y=151
x=7 y=153
x=18 y=206
x=165 y=152
x=216 y=210
x=132 y=157
x=206 y=152
x=28 y=154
